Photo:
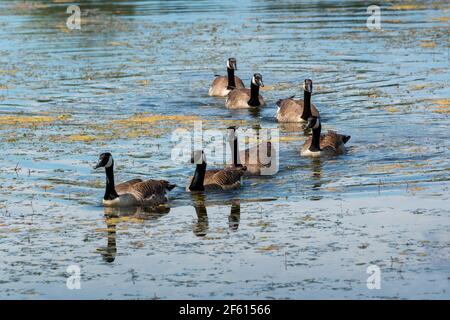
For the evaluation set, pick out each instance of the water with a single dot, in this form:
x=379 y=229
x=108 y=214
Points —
x=308 y=232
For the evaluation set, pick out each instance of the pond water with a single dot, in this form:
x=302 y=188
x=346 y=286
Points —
x=138 y=70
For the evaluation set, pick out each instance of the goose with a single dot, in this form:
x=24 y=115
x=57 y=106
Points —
x=253 y=158
x=329 y=144
x=247 y=98
x=290 y=110
x=135 y=192
x=222 y=85
x=222 y=179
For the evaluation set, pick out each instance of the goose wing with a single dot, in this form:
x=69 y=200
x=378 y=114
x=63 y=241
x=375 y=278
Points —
x=331 y=141
x=220 y=81
x=228 y=178
x=125 y=187
x=239 y=83
x=147 y=189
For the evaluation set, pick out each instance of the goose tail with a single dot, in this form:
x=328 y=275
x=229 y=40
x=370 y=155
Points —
x=346 y=138
x=170 y=186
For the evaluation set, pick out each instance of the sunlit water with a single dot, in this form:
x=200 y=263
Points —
x=310 y=231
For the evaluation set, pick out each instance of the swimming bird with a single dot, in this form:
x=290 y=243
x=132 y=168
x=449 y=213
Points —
x=290 y=110
x=328 y=144
x=221 y=179
x=135 y=192
x=258 y=159
x=247 y=98
x=222 y=85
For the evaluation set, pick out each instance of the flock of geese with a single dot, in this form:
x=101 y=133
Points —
x=137 y=192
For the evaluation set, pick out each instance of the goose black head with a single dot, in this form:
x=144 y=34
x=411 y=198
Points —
x=257 y=80
x=231 y=63
x=198 y=157
x=104 y=160
x=308 y=85
x=313 y=123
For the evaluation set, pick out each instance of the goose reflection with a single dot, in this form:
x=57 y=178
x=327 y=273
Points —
x=201 y=226
x=112 y=218
x=316 y=175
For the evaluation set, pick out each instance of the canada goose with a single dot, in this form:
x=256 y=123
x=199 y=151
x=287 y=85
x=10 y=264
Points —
x=290 y=110
x=329 y=144
x=222 y=179
x=260 y=157
x=135 y=192
x=222 y=85
x=247 y=98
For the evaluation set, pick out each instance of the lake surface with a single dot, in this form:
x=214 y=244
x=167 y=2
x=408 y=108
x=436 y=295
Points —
x=138 y=70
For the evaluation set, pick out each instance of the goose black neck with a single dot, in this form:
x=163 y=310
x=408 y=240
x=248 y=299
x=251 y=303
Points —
x=231 y=82
x=110 y=192
x=235 y=151
x=306 y=106
x=254 y=96
x=315 y=143
x=199 y=178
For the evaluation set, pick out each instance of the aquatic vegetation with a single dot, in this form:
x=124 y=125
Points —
x=441 y=105
x=26 y=120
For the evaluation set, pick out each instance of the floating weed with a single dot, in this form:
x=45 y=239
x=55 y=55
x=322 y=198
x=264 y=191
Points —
x=407 y=7
x=392 y=109
x=385 y=168
x=419 y=87
x=26 y=120
x=441 y=19
x=145 y=82
x=442 y=105
x=80 y=137
x=272 y=247
x=428 y=44
x=140 y=119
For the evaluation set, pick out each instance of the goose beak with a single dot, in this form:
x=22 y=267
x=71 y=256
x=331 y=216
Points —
x=98 y=165
x=310 y=124
x=260 y=82
x=234 y=65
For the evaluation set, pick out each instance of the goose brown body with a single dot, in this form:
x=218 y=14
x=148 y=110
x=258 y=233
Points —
x=238 y=99
x=329 y=144
x=219 y=86
x=222 y=179
x=290 y=110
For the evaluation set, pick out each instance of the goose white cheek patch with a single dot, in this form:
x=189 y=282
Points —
x=110 y=162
